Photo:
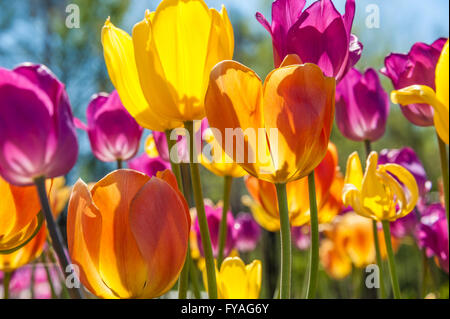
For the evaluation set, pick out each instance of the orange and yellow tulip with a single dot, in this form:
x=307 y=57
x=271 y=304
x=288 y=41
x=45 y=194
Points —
x=167 y=61
x=438 y=99
x=291 y=114
x=19 y=208
x=128 y=234
x=58 y=193
x=329 y=184
x=384 y=192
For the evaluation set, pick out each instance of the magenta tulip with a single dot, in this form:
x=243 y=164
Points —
x=416 y=67
x=113 y=133
x=362 y=106
x=319 y=34
x=301 y=237
x=147 y=165
x=247 y=231
x=37 y=131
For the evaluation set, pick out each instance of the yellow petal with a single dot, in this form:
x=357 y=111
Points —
x=235 y=279
x=441 y=115
x=150 y=147
x=354 y=173
x=254 y=274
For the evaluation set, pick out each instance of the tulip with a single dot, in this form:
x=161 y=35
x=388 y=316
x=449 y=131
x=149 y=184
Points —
x=247 y=231
x=156 y=145
x=235 y=280
x=301 y=237
x=113 y=133
x=433 y=234
x=293 y=30
x=19 y=208
x=32 y=89
x=379 y=195
x=128 y=221
x=336 y=263
x=328 y=188
x=147 y=165
x=59 y=194
x=172 y=51
x=362 y=106
x=214 y=216
x=416 y=67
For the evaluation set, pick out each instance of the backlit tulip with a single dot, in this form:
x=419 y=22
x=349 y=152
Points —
x=247 y=231
x=128 y=234
x=112 y=131
x=437 y=98
x=235 y=280
x=319 y=34
x=329 y=186
x=148 y=165
x=362 y=106
x=59 y=194
x=172 y=51
x=214 y=216
x=44 y=142
x=19 y=207
x=24 y=255
x=416 y=67
x=283 y=126
x=384 y=192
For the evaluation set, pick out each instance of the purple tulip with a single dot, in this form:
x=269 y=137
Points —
x=405 y=226
x=147 y=165
x=37 y=131
x=319 y=34
x=214 y=216
x=248 y=232
x=114 y=134
x=416 y=67
x=362 y=106
x=407 y=158
x=433 y=234
x=301 y=237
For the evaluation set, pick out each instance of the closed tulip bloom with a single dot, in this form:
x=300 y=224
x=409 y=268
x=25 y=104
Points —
x=19 y=207
x=285 y=123
x=416 y=67
x=235 y=280
x=44 y=143
x=213 y=217
x=265 y=209
x=362 y=106
x=437 y=98
x=247 y=231
x=174 y=50
x=26 y=254
x=147 y=165
x=112 y=131
x=128 y=234
x=383 y=192
x=293 y=30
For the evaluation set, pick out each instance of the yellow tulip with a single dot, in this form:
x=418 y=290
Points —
x=162 y=72
x=438 y=99
x=59 y=194
x=383 y=193
x=235 y=280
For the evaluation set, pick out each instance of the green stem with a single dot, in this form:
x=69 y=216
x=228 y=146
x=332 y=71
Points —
x=194 y=279
x=423 y=283
x=269 y=251
x=57 y=243
x=49 y=276
x=444 y=169
x=368 y=149
x=314 y=256
x=203 y=223
x=390 y=254
x=285 y=235
x=228 y=181
x=119 y=163
x=32 y=281
x=6 y=280
x=174 y=161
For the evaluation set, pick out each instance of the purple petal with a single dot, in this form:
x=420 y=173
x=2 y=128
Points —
x=147 y=165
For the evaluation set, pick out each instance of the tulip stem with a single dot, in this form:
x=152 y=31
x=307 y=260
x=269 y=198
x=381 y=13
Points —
x=57 y=243
x=314 y=253
x=390 y=254
x=368 y=149
x=203 y=223
x=119 y=163
x=444 y=169
x=174 y=161
x=194 y=279
x=285 y=235
x=228 y=181
x=6 y=279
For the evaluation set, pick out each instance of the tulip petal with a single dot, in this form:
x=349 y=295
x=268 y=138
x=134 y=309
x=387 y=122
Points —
x=354 y=173
x=233 y=280
x=254 y=271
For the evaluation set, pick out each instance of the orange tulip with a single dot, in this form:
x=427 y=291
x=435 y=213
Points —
x=58 y=195
x=128 y=234
x=329 y=184
x=19 y=207
x=26 y=254
x=280 y=128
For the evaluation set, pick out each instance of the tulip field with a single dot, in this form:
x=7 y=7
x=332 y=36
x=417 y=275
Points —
x=195 y=149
